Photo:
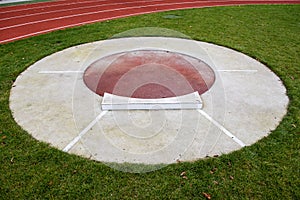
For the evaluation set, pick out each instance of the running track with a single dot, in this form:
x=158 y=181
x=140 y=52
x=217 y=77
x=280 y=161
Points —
x=22 y=21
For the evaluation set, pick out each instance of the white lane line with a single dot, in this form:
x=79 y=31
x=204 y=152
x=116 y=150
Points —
x=43 y=7
x=61 y=72
x=237 y=70
x=84 y=131
x=79 y=24
x=93 y=21
x=67 y=4
x=95 y=12
x=11 y=1
x=72 y=9
x=84 y=2
x=222 y=128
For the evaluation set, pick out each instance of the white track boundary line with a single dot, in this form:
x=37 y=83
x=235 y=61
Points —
x=12 y=1
x=84 y=131
x=72 y=9
x=81 y=23
x=222 y=128
x=96 y=12
x=53 y=5
x=81 y=2
x=66 y=4
x=100 y=20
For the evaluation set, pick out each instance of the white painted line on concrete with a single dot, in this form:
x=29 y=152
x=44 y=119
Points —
x=269 y=80
x=237 y=70
x=61 y=72
x=222 y=128
x=84 y=131
x=66 y=72
x=115 y=102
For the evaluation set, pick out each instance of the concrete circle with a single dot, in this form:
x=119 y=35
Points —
x=51 y=101
x=148 y=74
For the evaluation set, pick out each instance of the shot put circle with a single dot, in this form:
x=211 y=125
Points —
x=149 y=74
x=58 y=100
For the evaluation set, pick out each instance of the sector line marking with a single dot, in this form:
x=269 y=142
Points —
x=84 y=131
x=222 y=128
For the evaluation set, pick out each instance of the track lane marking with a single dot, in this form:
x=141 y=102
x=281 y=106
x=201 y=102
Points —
x=94 y=12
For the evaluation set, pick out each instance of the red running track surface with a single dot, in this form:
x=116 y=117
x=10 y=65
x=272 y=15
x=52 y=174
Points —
x=22 y=21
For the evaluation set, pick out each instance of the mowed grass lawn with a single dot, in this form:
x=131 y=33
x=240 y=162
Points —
x=268 y=169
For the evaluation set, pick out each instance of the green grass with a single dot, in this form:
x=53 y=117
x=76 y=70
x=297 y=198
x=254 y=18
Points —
x=268 y=169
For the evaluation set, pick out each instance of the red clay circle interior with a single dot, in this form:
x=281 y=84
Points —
x=148 y=74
